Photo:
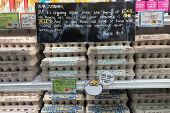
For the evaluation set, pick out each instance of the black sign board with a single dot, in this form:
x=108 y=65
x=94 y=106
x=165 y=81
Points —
x=85 y=22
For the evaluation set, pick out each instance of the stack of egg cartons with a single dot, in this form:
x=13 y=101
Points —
x=152 y=56
x=150 y=101
x=20 y=102
x=116 y=57
x=64 y=60
x=19 y=58
x=114 y=102
x=63 y=103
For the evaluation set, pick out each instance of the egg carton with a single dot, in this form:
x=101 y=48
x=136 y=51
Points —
x=18 y=76
x=20 y=109
x=64 y=51
x=126 y=74
x=18 y=51
x=114 y=108
x=111 y=63
x=152 y=55
x=113 y=43
x=19 y=98
x=119 y=49
x=49 y=108
x=152 y=49
x=111 y=56
x=154 y=73
x=65 y=44
x=18 y=39
x=79 y=75
x=151 y=100
x=9 y=92
x=50 y=98
x=163 y=108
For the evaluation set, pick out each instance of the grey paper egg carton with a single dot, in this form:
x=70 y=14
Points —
x=48 y=108
x=64 y=51
x=67 y=63
x=152 y=63
x=104 y=108
x=19 y=98
x=114 y=64
x=119 y=49
x=18 y=39
x=50 y=98
x=126 y=74
x=20 y=109
x=153 y=73
x=18 y=76
x=78 y=74
x=151 y=39
x=112 y=43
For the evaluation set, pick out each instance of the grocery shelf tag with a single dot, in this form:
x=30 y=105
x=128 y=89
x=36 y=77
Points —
x=151 y=19
x=64 y=86
x=28 y=20
x=9 y=21
x=106 y=78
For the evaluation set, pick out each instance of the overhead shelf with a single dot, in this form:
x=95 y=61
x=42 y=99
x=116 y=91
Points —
x=38 y=85
x=166 y=20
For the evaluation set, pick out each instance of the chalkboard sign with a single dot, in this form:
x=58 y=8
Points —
x=85 y=22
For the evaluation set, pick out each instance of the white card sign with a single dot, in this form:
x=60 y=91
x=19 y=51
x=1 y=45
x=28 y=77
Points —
x=28 y=20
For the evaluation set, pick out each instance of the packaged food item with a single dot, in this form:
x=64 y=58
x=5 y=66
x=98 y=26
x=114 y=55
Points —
x=140 y=5
x=151 y=5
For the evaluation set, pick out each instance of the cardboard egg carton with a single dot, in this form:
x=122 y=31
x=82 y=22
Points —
x=78 y=74
x=151 y=39
x=163 y=108
x=50 y=98
x=152 y=63
x=114 y=96
x=19 y=98
x=153 y=73
x=110 y=56
x=65 y=44
x=111 y=63
x=18 y=39
x=64 y=62
x=119 y=49
x=38 y=92
x=112 y=43
x=18 y=76
x=126 y=74
x=152 y=55
x=20 y=109
x=114 y=108
x=49 y=108
x=64 y=51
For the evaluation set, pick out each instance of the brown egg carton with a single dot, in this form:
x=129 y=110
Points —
x=19 y=98
x=18 y=39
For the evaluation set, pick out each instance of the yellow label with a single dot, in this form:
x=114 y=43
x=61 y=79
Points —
x=33 y=23
x=9 y=23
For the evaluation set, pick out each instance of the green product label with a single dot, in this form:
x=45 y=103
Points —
x=64 y=86
x=9 y=21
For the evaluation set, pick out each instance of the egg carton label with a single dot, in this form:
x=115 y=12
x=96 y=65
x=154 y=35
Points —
x=111 y=61
x=62 y=61
x=114 y=72
x=62 y=108
x=155 y=71
x=8 y=53
x=64 y=97
x=158 y=96
x=18 y=39
x=13 y=63
x=64 y=49
x=108 y=96
x=16 y=98
x=110 y=49
x=63 y=73
x=158 y=60
x=9 y=74
x=151 y=37
x=158 y=49
x=107 y=108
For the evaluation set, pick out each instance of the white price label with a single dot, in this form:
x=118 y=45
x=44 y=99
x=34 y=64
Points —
x=28 y=20
x=151 y=19
x=106 y=78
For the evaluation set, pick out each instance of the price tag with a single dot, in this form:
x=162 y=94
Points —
x=64 y=86
x=151 y=19
x=106 y=78
x=28 y=20
x=9 y=21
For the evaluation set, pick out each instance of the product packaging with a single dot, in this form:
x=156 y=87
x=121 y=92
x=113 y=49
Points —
x=163 y=5
x=140 y=5
x=151 y=5
x=31 y=5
